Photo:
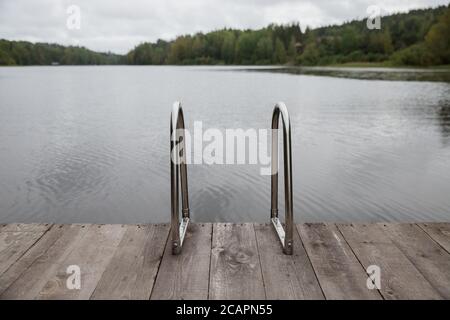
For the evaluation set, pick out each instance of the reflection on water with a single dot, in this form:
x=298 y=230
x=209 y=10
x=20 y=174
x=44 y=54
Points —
x=444 y=119
x=391 y=74
x=90 y=144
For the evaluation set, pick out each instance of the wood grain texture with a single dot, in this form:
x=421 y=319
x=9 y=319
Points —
x=92 y=255
x=339 y=272
x=186 y=276
x=285 y=276
x=132 y=270
x=15 y=240
x=33 y=279
x=25 y=227
x=225 y=261
x=399 y=278
x=235 y=266
x=439 y=232
x=33 y=253
x=425 y=254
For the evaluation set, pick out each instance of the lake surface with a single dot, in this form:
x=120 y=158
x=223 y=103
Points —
x=91 y=144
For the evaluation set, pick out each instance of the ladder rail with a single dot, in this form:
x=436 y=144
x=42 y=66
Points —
x=178 y=171
x=285 y=235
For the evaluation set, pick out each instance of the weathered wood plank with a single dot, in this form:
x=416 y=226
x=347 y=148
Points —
x=33 y=279
x=25 y=261
x=439 y=232
x=235 y=268
x=244 y=262
x=15 y=240
x=25 y=227
x=132 y=270
x=92 y=255
x=399 y=278
x=186 y=276
x=340 y=274
x=285 y=276
x=426 y=255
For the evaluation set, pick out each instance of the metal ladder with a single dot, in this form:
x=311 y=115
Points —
x=178 y=168
x=178 y=172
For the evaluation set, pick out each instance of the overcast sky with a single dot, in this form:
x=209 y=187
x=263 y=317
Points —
x=119 y=25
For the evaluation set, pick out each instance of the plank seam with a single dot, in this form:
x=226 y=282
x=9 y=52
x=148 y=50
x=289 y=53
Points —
x=356 y=256
x=431 y=237
x=210 y=261
x=159 y=263
x=87 y=226
x=412 y=262
x=259 y=259
x=25 y=252
x=112 y=256
x=310 y=262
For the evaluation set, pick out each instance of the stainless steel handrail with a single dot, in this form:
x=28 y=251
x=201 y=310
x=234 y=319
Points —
x=178 y=168
x=285 y=235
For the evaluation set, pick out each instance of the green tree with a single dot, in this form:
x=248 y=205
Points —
x=198 y=46
x=311 y=55
x=264 y=50
x=415 y=55
x=292 y=49
x=280 y=52
x=245 y=47
x=411 y=34
x=349 y=41
x=5 y=59
x=228 y=48
x=180 y=50
x=375 y=42
x=387 y=42
x=438 y=39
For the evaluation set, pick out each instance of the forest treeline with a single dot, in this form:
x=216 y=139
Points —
x=25 y=53
x=418 y=38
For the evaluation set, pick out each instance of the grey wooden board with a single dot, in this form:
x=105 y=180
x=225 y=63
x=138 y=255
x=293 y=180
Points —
x=33 y=279
x=224 y=261
x=440 y=232
x=399 y=278
x=426 y=255
x=340 y=274
x=91 y=255
x=132 y=270
x=186 y=275
x=15 y=240
x=235 y=267
x=25 y=227
x=33 y=253
x=285 y=276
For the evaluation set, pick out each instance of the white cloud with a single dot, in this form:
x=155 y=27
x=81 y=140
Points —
x=115 y=25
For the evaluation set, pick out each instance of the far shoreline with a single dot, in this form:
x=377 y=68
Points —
x=354 y=70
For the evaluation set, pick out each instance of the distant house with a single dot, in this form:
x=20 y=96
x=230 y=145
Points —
x=299 y=47
x=55 y=63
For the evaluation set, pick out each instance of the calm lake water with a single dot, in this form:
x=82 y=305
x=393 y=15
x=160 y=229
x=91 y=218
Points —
x=91 y=144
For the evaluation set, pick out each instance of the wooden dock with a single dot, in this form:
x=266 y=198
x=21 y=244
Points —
x=225 y=261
